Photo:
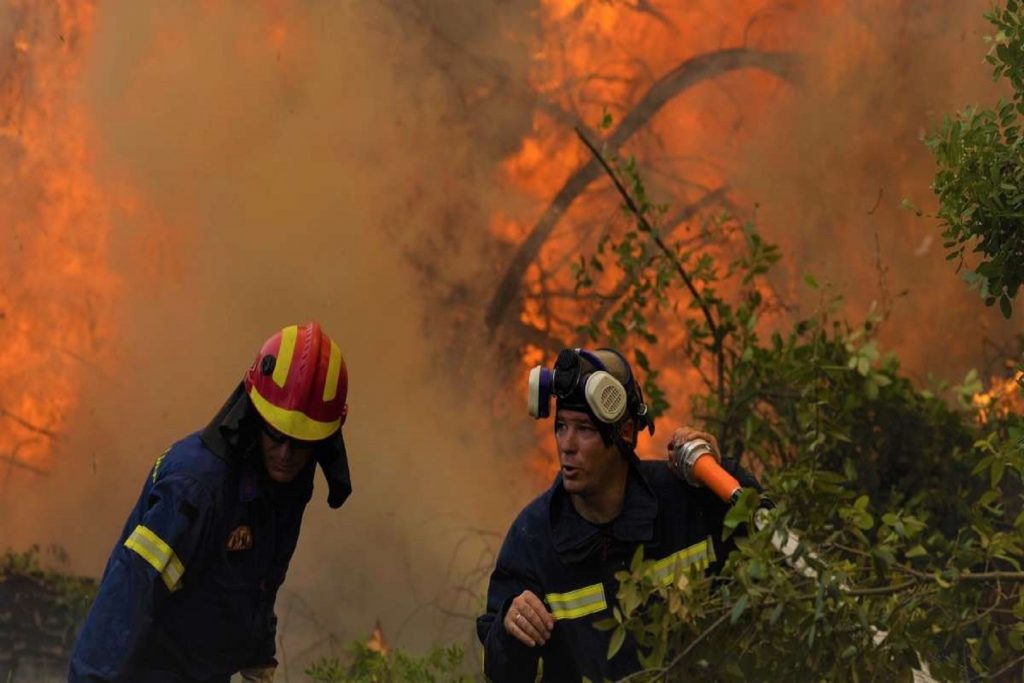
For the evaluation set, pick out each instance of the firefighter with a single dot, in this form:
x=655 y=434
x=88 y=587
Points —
x=188 y=592
x=554 y=575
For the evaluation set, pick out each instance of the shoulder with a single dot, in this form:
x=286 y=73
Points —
x=188 y=465
x=660 y=478
x=533 y=521
x=668 y=488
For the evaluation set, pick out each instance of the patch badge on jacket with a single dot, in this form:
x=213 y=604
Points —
x=240 y=538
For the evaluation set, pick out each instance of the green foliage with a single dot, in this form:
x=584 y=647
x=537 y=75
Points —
x=71 y=595
x=900 y=514
x=980 y=179
x=363 y=664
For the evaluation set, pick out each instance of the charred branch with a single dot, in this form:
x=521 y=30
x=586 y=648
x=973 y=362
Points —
x=716 y=331
x=22 y=422
x=682 y=215
x=14 y=461
x=689 y=73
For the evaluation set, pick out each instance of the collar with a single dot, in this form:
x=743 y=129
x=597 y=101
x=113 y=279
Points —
x=575 y=538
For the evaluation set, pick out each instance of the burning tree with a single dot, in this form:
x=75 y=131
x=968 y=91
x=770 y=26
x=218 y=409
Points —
x=908 y=509
x=908 y=498
x=911 y=530
x=55 y=283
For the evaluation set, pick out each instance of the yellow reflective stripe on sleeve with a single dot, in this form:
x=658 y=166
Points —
x=158 y=554
x=284 y=355
x=577 y=603
x=159 y=461
x=333 y=370
x=698 y=556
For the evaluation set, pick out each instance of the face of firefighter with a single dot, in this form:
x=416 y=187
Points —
x=283 y=456
x=589 y=467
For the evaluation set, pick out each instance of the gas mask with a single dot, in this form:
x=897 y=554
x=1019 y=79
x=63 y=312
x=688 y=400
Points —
x=581 y=376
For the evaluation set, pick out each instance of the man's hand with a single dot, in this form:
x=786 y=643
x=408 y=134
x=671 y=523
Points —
x=681 y=436
x=528 y=620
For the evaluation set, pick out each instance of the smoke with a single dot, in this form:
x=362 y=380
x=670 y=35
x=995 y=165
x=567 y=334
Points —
x=268 y=163
x=833 y=161
x=271 y=164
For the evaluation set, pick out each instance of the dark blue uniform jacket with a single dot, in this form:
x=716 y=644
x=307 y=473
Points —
x=570 y=564
x=188 y=592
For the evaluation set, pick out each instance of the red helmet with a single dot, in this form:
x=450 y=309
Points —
x=298 y=383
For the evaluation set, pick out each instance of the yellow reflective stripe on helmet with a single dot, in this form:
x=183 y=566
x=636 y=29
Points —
x=577 y=603
x=284 y=355
x=333 y=370
x=158 y=554
x=698 y=556
x=293 y=423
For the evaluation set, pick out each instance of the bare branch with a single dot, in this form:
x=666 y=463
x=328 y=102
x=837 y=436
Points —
x=28 y=425
x=689 y=73
x=716 y=331
x=18 y=462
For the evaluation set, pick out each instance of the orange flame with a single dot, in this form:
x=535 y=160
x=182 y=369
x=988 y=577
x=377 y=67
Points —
x=593 y=59
x=1004 y=397
x=56 y=283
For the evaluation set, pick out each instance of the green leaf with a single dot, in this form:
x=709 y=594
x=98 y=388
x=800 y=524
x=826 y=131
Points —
x=998 y=467
x=1005 y=306
x=638 y=559
x=737 y=609
x=741 y=511
x=917 y=551
x=864 y=521
x=870 y=389
x=617 y=639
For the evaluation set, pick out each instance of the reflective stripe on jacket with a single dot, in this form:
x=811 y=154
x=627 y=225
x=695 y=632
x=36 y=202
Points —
x=570 y=564
x=188 y=592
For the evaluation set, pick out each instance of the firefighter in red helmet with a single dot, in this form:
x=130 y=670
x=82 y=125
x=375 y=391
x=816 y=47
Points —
x=188 y=592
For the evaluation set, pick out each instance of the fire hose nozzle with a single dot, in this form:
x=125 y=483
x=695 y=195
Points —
x=700 y=465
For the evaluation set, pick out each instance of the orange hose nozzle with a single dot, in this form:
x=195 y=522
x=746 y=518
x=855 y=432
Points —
x=708 y=472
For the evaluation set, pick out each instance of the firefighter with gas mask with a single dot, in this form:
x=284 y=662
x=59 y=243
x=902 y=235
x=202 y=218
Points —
x=188 y=592
x=555 y=573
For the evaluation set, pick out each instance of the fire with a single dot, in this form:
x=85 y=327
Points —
x=1004 y=397
x=622 y=61
x=56 y=283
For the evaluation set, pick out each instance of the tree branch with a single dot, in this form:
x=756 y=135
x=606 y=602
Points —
x=645 y=226
x=684 y=214
x=689 y=73
x=682 y=655
x=1009 y=667
x=28 y=425
x=17 y=462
